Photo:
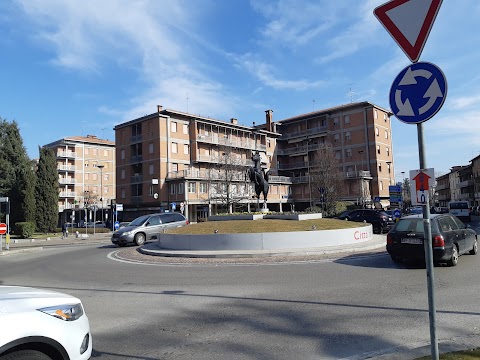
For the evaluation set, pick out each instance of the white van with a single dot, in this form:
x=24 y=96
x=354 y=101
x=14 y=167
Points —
x=460 y=209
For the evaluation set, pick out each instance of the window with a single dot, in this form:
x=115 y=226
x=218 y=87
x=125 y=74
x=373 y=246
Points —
x=151 y=190
x=385 y=117
x=381 y=185
x=122 y=154
x=86 y=163
x=386 y=134
x=377 y=132
x=174 y=126
x=269 y=144
x=185 y=129
x=338 y=155
x=375 y=114
x=105 y=152
x=388 y=167
x=95 y=152
x=337 y=137
x=335 y=121
x=122 y=174
x=348 y=136
x=122 y=192
x=348 y=153
x=379 y=167
x=174 y=147
x=86 y=151
x=378 y=149
x=174 y=167
x=150 y=148
x=347 y=119
x=186 y=149
x=87 y=176
x=192 y=187
x=180 y=188
x=203 y=188
x=151 y=169
x=387 y=150
x=173 y=189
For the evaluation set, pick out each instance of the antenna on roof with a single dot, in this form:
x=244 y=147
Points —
x=351 y=93
x=313 y=105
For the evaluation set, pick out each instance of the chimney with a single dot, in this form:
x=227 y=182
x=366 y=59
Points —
x=233 y=121
x=159 y=108
x=92 y=136
x=269 y=118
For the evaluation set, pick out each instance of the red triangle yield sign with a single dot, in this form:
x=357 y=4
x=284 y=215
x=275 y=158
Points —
x=409 y=22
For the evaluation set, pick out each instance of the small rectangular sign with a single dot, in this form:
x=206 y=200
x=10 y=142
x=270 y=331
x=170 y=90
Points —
x=119 y=207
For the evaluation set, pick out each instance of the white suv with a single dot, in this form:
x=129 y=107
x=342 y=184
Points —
x=37 y=324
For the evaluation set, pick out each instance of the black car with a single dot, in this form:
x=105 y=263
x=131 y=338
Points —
x=380 y=220
x=450 y=238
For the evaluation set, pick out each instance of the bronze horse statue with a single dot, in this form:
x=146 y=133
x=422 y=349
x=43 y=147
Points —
x=258 y=176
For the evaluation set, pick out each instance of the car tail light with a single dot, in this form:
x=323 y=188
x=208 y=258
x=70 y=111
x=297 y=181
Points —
x=438 y=241
x=188 y=222
x=389 y=239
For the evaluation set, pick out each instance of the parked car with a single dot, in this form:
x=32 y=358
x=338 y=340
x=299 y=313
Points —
x=147 y=227
x=96 y=224
x=450 y=239
x=41 y=324
x=380 y=220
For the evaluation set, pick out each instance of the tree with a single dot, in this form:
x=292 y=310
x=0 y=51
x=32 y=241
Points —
x=46 y=191
x=227 y=183
x=326 y=179
x=17 y=179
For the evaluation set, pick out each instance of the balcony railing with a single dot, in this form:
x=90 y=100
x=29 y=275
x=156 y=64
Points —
x=136 y=138
x=442 y=187
x=66 y=154
x=358 y=174
x=298 y=149
x=218 y=160
x=136 y=179
x=66 y=168
x=305 y=133
x=465 y=183
x=231 y=141
x=67 y=194
x=66 y=181
x=136 y=158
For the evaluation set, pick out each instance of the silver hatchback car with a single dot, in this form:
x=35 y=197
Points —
x=147 y=227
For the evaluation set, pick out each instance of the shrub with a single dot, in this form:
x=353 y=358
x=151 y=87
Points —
x=24 y=229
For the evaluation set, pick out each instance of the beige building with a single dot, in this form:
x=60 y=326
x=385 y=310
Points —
x=86 y=174
x=170 y=160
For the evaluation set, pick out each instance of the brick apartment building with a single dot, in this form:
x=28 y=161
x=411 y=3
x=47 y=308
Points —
x=171 y=160
x=86 y=175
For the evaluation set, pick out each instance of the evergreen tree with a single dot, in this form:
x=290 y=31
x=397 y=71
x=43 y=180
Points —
x=46 y=191
x=16 y=176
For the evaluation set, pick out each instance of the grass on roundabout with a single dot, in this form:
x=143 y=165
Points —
x=473 y=354
x=264 y=225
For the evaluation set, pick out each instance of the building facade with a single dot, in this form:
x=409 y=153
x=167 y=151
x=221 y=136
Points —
x=86 y=175
x=175 y=161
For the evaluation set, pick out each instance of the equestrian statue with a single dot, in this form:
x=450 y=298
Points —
x=258 y=176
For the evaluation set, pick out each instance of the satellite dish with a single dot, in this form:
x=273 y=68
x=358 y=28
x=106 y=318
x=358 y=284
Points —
x=155 y=196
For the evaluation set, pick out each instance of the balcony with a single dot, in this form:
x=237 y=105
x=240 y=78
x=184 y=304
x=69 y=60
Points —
x=298 y=149
x=136 y=179
x=136 y=158
x=66 y=154
x=358 y=175
x=136 y=138
x=231 y=141
x=465 y=196
x=465 y=183
x=66 y=168
x=64 y=181
x=442 y=187
x=67 y=194
x=297 y=165
x=320 y=130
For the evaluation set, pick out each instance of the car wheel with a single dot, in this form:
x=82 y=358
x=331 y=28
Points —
x=140 y=239
x=474 y=248
x=454 y=259
x=377 y=229
x=26 y=355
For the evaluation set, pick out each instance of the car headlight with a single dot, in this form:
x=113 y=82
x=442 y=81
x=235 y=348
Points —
x=128 y=233
x=64 y=312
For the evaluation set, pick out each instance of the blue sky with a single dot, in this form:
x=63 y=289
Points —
x=73 y=67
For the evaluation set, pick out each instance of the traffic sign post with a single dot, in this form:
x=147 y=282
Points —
x=3 y=231
x=416 y=95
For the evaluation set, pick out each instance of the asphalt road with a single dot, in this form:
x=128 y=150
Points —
x=347 y=308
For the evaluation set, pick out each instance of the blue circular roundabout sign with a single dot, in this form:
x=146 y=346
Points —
x=418 y=92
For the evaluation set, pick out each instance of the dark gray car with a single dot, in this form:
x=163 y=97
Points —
x=147 y=227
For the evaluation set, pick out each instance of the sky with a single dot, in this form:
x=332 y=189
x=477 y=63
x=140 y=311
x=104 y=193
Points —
x=71 y=68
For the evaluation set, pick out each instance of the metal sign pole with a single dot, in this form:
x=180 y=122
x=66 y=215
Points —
x=428 y=254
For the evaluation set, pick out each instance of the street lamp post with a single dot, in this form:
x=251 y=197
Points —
x=362 y=195
x=101 y=188
x=309 y=177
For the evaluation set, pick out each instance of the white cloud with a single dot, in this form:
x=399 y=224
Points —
x=465 y=102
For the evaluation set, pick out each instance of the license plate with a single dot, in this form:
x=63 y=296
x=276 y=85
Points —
x=411 y=241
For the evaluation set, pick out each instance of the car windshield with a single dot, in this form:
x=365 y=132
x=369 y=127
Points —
x=139 y=221
x=459 y=205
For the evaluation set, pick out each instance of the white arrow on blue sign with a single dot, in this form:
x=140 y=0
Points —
x=418 y=92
